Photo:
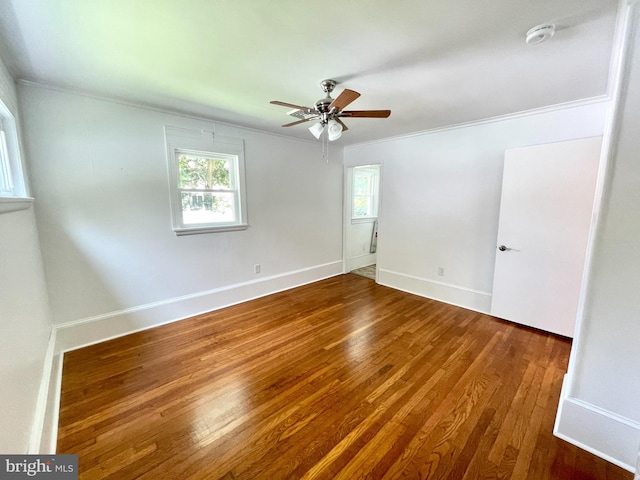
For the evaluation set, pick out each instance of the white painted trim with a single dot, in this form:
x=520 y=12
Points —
x=217 y=121
x=360 y=261
x=15 y=160
x=484 y=121
x=609 y=138
x=43 y=394
x=356 y=221
x=98 y=328
x=155 y=108
x=179 y=232
x=598 y=431
x=49 y=434
x=351 y=263
x=619 y=48
x=180 y=140
x=456 y=295
x=14 y=204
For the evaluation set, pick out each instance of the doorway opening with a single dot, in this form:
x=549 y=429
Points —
x=361 y=219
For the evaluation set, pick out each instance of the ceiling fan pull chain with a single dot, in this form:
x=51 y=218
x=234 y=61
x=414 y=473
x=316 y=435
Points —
x=326 y=153
x=325 y=146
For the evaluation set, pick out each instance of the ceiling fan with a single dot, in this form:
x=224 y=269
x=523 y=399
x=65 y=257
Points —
x=328 y=111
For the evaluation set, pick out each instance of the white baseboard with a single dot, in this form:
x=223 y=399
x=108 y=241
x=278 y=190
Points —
x=87 y=331
x=40 y=414
x=361 y=261
x=598 y=431
x=443 y=292
x=49 y=432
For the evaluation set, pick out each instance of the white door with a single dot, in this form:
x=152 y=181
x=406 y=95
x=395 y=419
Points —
x=545 y=216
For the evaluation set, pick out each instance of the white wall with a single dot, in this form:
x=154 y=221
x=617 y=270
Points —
x=600 y=408
x=112 y=262
x=441 y=199
x=24 y=315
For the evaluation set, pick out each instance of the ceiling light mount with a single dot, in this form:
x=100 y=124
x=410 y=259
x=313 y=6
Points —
x=328 y=86
x=540 y=33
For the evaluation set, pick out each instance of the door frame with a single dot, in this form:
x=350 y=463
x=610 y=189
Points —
x=347 y=209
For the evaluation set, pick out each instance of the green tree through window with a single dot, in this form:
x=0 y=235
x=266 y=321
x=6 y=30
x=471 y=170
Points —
x=365 y=191
x=203 y=173
x=206 y=181
x=200 y=178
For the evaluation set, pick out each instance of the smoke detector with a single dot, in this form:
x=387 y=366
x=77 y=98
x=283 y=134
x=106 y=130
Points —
x=540 y=34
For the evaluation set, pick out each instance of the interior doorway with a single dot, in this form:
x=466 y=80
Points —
x=362 y=194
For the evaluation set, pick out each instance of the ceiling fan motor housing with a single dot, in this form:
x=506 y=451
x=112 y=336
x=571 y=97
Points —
x=322 y=105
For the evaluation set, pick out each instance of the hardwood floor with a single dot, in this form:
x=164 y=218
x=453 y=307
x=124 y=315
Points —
x=340 y=379
x=369 y=271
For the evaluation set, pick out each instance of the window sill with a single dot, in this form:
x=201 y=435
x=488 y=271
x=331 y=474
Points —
x=196 y=230
x=14 y=204
x=363 y=220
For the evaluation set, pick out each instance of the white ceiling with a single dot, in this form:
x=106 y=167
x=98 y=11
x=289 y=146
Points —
x=432 y=62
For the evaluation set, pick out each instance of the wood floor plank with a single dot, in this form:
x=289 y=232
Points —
x=341 y=378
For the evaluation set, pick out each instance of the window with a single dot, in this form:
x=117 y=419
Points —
x=206 y=174
x=6 y=182
x=365 y=192
x=13 y=189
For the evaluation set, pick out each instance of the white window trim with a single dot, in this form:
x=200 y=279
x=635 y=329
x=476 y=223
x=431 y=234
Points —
x=180 y=140
x=375 y=188
x=13 y=188
x=14 y=204
x=6 y=180
x=356 y=220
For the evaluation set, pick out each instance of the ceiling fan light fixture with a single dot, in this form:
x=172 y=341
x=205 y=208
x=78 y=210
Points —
x=334 y=130
x=316 y=129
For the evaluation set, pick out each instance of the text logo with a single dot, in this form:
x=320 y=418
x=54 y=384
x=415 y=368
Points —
x=50 y=467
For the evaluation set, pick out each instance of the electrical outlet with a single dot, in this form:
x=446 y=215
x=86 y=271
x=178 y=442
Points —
x=441 y=271
x=256 y=268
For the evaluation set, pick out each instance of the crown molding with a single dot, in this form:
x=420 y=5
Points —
x=496 y=119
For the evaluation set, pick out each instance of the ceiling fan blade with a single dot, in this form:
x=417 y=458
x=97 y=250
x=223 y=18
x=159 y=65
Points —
x=345 y=98
x=291 y=105
x=344 y=127
x=298 y=122
x=366 y=113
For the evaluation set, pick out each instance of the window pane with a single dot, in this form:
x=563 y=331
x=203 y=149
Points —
x=202 y=207
x=361 y=206
x=203 y=172
x=361 y=185
x=6 y=186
